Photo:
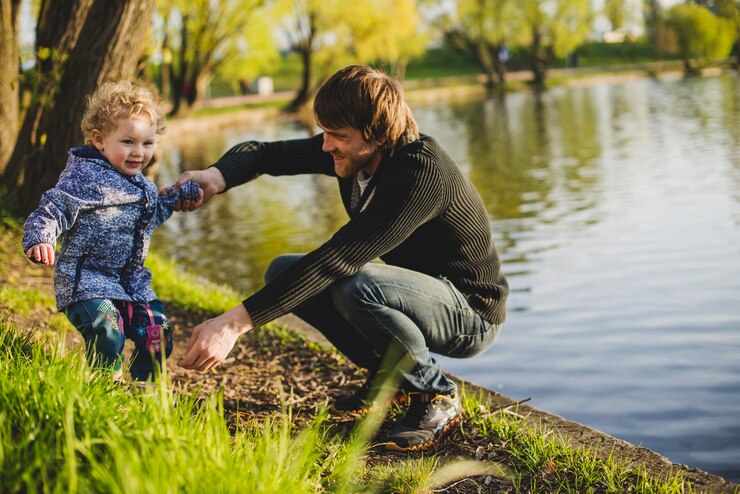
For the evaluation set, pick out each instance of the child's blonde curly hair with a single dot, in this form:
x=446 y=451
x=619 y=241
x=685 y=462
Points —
x=112 y=101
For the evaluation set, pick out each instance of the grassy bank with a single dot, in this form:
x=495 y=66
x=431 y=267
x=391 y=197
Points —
x=444 y=62
x=66 y=428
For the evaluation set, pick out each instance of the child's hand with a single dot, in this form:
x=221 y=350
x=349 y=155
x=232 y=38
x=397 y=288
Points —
x=41 y=254
x=210 y=182
x=188 y=191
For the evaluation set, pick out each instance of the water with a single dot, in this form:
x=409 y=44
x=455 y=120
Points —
x=616 y=209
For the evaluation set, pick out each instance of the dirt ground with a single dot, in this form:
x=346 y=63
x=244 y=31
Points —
x=260 y=370
x=259 y=373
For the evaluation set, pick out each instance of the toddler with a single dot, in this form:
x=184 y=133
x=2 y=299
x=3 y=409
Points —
x=104 y=211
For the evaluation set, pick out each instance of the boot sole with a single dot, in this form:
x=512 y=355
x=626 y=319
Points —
x=391 y=446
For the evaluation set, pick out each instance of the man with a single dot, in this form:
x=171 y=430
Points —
x=440 y=288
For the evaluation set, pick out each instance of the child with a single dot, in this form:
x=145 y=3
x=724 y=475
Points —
x=104 y=211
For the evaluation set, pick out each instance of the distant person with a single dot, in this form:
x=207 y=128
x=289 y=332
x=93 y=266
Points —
x=440 y=288
x=104 y=211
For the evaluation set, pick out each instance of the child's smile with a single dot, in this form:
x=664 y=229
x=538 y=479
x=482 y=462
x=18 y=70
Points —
x=129 y=146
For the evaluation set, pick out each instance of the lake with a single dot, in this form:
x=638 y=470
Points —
x=616 y=210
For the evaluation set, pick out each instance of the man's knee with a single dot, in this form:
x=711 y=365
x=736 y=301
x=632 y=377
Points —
x=359 y=291
x=279 y=264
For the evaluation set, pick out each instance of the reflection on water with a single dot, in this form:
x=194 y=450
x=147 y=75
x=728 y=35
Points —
x=616 y=209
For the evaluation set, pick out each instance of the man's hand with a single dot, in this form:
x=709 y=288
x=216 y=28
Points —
x=211 y=183
x=41 y=254
x=213 y=339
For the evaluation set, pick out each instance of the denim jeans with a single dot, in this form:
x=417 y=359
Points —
x=383 y=307
x=105 y=324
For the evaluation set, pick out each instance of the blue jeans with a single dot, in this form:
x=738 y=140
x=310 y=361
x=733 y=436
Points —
x=105 y=324
x=384 y=306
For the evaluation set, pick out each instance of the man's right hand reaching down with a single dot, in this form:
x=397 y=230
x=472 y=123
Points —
x=210 y=181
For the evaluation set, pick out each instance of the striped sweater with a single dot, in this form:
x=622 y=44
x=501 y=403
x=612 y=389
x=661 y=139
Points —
x=424 y=215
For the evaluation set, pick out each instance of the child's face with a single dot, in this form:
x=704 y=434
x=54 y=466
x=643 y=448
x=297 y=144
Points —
x=129 y=146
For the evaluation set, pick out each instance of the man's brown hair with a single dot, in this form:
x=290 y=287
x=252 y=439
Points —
x=368 y=100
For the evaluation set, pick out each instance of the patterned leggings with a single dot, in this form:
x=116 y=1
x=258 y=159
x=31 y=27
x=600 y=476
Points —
x=105 y=324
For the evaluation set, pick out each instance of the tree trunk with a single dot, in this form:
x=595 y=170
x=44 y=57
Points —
x=57 y=31
x=304 y=93
x=8 y=78
x=200 y=86
x=179 y=74
x=540 y=60
x=475 y=50
x=690 y=69
x=484 y=62
x=164 y=70
x=305 y=50
x=651 y=12
x=399 y=68
x=500 y=67
x=108 y=47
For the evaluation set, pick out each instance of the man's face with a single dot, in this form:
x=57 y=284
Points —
x=351 y=152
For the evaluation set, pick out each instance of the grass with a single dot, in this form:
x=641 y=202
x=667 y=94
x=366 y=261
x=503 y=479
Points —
x=25 y=300
x=277 y=104
x=444 y=62
x=544 y=461
x=67 y=428
x=189 y=291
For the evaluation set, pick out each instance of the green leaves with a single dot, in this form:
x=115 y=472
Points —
x=701 y=35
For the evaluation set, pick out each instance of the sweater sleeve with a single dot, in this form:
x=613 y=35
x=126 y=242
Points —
x=247 y=160
x=59 y=208
x=405 y=196
x=166 y=202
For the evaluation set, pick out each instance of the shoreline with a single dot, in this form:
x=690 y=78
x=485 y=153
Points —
x=579 y=436
x=583 y=436
x=246 y=377
x=421 y=91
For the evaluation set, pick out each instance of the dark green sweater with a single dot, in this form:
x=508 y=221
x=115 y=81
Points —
x=424 y=215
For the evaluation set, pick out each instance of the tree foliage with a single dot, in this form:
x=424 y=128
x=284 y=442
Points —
x=202 y=38
x=327 y=34
x=701 y=35
x=545 y=29
x=556 y=28
x=388 y=32
x=616 y=12
x=730 y=10
x=483 y=30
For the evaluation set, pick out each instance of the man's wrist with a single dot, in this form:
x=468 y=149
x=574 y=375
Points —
x=240 y=320
x=218 y=179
